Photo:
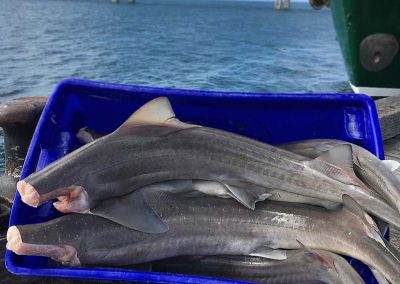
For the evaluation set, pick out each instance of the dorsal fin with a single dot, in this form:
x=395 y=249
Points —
x=337 y=163
x=155 y=112
x=351 y=205
x=341 y=155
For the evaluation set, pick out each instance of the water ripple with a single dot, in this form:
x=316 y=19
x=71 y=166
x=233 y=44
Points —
x=218 y=45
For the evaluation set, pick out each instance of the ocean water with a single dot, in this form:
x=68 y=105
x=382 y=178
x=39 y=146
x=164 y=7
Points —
x=196 y=44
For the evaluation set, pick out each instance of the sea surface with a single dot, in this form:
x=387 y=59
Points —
x=195 y=44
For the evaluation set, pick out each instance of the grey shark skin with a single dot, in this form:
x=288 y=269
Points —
x=208 y=226
x=284 y=196
x=196 y=188
x=153 y=146
x=301 y=266
x=367 y=166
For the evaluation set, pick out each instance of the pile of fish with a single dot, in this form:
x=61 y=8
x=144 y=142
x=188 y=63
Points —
x=217 y=203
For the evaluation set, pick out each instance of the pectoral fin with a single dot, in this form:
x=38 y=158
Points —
x=246 y=193
x=209 y=187
x=132 y=211
x=267 y=252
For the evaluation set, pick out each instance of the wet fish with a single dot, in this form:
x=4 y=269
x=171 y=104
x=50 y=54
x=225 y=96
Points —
x=153 y=146
x=301 y=266
x=372 y=171
x=199 y=187
x=208 y=226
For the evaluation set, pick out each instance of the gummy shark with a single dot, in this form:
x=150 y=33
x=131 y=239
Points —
x=153 y=146
x=300 y=266
x=209 y=226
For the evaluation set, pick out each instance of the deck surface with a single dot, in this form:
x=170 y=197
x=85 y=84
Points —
x=392 y=148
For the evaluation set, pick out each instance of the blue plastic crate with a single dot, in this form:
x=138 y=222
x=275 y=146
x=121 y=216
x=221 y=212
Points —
x=272 y=118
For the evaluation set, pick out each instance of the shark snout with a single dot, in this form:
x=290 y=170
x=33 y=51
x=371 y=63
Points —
x=64 y=253
x=29 y=194
x=71 y=199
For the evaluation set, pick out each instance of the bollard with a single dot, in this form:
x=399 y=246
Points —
x=18 y=118
x=5 y=210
